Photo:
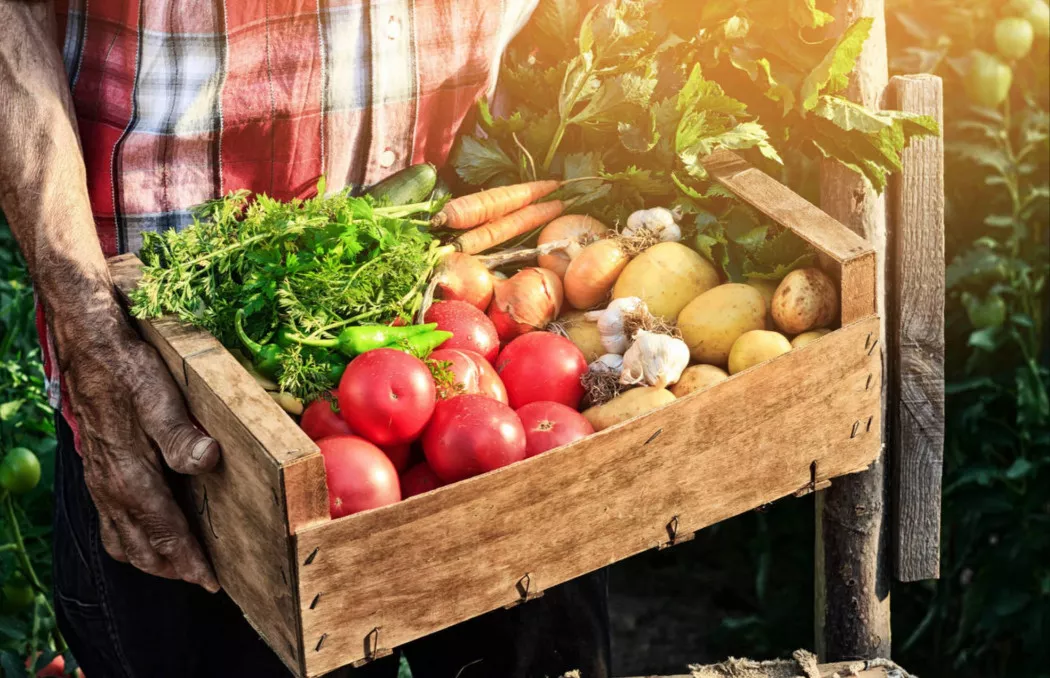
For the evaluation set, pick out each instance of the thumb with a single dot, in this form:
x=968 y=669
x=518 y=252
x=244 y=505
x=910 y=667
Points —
x=162 y=415
x=186 y=449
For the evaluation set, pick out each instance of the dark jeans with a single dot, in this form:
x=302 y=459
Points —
x=122 y=623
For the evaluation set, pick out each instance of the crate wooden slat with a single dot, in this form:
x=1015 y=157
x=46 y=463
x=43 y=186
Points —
x=327 y=593
x=270 y=480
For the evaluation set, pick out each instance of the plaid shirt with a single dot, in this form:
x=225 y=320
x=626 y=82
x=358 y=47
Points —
x=182 y=101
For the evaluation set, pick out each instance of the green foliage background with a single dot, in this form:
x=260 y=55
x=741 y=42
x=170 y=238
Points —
x=990 y=612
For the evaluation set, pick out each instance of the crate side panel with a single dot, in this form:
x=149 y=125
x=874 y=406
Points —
x=382 y=578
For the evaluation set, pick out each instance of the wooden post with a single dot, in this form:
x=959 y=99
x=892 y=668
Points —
x=915 y=337
x=852 y=584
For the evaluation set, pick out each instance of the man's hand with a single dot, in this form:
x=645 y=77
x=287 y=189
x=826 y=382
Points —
x=132 y=423
x=129 y=412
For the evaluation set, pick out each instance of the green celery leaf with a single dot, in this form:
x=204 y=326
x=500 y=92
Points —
x=480 y=161
x=832 y=73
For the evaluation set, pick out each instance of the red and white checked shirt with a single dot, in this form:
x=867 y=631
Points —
x=181 y=101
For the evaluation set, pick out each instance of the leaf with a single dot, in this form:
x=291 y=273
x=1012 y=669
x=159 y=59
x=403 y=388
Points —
x=637 y=139
x=555 y=19
x=849 y=116
x=10 y=408
x=11 y=664
x=984 y=339
x=479 y=161
x=832 y=73
x=805 y=13
x=1019 y=469
x=578 y=165
x=638 y=180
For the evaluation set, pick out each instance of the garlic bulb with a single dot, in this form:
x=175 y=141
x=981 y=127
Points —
x=658 y=221
x=654 y=360
x=610 y=322
x=609 y=362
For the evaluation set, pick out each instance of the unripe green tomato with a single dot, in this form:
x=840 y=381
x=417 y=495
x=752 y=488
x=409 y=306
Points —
x=18 y=593
x=984 y=313
x=1038 y=16
x=988 y=82
x=1013 y=37
x=19 y=471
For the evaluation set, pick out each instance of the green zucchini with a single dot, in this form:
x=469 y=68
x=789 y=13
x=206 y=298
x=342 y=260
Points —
x=410 y=185
x=441 y=190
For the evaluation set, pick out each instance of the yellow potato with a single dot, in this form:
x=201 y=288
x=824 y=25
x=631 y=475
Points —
x=627 y=405
x=808 y=337
x=805 y=299
x=667 y=276
x=583 y=333
x=754 y=347
x=697 y=378
x=713 y=321
x=767 y=288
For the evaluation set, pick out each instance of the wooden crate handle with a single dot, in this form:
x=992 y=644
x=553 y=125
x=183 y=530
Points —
x=852 y=257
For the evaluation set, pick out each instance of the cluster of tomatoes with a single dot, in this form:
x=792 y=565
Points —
x=398 y=426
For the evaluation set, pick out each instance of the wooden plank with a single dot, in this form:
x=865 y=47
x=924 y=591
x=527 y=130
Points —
x=840 y=669
x=249 y=506
x=851 y=579
x=785 y=207
x=375 y=580
x=915 y=336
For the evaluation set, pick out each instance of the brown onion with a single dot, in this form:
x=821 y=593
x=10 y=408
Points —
x=578 y=228
x=592 y=273
x=527 y=301
x=463 y=277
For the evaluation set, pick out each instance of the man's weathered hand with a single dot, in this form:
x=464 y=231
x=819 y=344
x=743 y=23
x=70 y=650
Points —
x=132 y=423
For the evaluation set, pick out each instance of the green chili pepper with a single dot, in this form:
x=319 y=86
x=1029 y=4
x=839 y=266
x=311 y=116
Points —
x=356 y=340
x=422 y=345
x=265 y=357
x=286 y=336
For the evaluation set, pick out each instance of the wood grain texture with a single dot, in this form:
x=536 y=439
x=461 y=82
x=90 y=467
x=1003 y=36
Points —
x=376 y=580
x=841 y=669
x=915 y=335
x=249 y=506
x=852 y=562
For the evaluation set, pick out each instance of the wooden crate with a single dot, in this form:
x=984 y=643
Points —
x=327 y=593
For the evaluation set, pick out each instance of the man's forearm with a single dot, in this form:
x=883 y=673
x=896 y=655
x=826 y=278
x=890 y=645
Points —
x=43 y=190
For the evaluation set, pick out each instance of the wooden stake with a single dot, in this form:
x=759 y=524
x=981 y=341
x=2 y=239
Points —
x=915 y=337
x=852 y=585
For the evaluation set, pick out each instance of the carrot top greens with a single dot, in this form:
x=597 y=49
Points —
x=314 y=266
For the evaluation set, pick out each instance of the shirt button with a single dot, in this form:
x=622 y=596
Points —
x=387 y=158
x=393 y=28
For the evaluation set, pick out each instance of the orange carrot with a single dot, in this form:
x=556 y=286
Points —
x=508 y=227
x=471 y=210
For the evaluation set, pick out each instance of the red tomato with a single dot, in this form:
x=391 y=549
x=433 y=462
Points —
x=359 y=475
x=322 y=419
x=419 y=479
x=387 y=396
x=472 y=434
x=470 y=327
x=473 y=373
x=56 y=668
x=399 y=455
x=542 y=366
x=549 y=425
